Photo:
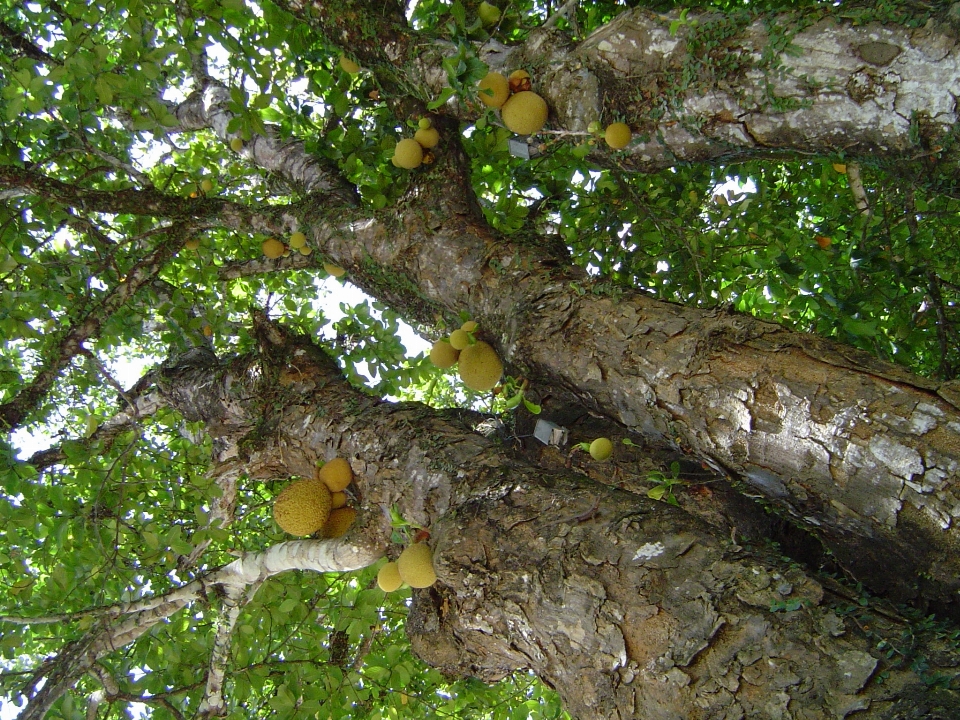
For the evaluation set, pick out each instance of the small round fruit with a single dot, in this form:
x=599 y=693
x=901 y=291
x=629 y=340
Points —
x=348 y=65
x=338 y=523
x=273 y=248
x=302 y=507
x=519 y=81
x=334 y=270
x=489 y=14
x=480 y=368
x=297 y=240
x=305 y=250
x=524 y=113
x=427 y=138
x=236 y=144
x=206 y=185
x=617 y=135
x=336 y=474
x=494 y=89
x=469 y=326
x=595 y=127
x=424 y=124
x=601 y=449
x=389 y=577
x=408 y=154
x=459 y=339
x=338 y=500
x=415 y=566
x=192 y=244
x=443 y=355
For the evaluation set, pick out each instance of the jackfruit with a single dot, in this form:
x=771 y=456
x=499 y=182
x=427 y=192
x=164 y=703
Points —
x=348 y=65
x=334 y=270
x=617 y=135
x=427 y=138
x=443 y=355
x=273 y=248
x=302 y=507
x=236 y=144
x=489 y=14
x=336 y=474
x=469 y=326
x=494 y=89
x=297 y=240
x=339 y=522
x=338 y=499
x=601 y=449
x=408 y=154
x=415 y=566
x=389 y=577
x=480 y=368
x=459 y=339
x=524 y=113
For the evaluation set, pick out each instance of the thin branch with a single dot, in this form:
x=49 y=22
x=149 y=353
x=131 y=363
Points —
x=213 y=704
x=855 y=182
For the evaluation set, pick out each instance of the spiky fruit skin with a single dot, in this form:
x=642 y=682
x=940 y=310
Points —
x=480 y=368
x=459 y=339
x=348 y=65
x=334 y=270
x=488 y=14
x=338 y=500
x=408 y=154
x=297 y=240
x=336 y=474
x=338 y=523
x=415 y=566
x=443 y=355
x=525 y=113
x=273 y=248
x=469 y=326
x=427 y=138
x=617 y=135
x=389 y=577
x=303 y=507
x=494 y=89
x=236 y=144
x=601 y=449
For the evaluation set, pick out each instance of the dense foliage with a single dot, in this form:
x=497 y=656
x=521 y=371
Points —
x=87 y=94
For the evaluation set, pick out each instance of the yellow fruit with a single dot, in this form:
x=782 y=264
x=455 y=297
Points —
x=206 y=185
x=601 y=449
x=338 y=500
x=273 y=248
x=348 y=65
x=489 y=14
x=469 y=326
x=336 y=474
x=334 y=270
x=389 y=577
x=480 y=368
x=415 y=566
x=459 y=339
x=494 y=90
x=524 y=113
x=519 y=81
x=236 y=144
x=305 y=250
x=443 y=355
x=840 y=168
x=339 y=522
x=424 y=124
x=408 y=154
x=427 y=138
x=208 y=331
x=303 y=507
x=192 y=244
x=617 y=135
x=297 y=240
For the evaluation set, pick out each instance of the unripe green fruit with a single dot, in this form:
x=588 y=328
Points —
x=408 y=154
x=489 y=14
x=443 y=355
x=348 y=65
x=206 y=185
x=389 y=577
x=601 y=449
x=236 y=144
x=297 y=240
x=469 y=326
x=459 y=339
x=427 y=138
x=525 y=113
x=617 y=135
x=424 y=123
x=415 y=566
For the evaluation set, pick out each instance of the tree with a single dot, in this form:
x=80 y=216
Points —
x=627 y=295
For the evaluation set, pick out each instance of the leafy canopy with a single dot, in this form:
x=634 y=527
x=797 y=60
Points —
x=88 y=93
